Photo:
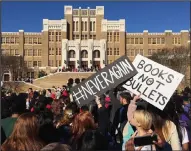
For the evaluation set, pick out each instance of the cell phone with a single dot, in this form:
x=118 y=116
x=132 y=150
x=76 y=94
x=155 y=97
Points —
x=145 y=140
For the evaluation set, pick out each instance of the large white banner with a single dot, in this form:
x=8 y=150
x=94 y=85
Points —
x=155 y=82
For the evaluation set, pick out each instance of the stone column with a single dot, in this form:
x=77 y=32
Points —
x=77 y=59
x=90 y=52
x=64 y=53
x=102 y=53
x=10 y=76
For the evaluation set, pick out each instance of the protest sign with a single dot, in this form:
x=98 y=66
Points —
x=105 y=79
x=155 y=82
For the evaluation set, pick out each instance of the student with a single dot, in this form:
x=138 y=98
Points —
x=121 y=115
x=48 y=93
x=142 y=121
x=93 y=140
x=164 y=125
x=56 y=147
x=64 y=126
x=25 y=135
x=9 y=122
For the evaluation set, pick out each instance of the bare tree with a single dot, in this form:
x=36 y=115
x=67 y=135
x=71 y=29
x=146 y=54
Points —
x=14 y=65
x=177 y=59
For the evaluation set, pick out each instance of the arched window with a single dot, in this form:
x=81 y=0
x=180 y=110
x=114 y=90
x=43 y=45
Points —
x=82 y=26
x=77 y=26
x=96 y=54
x=91 y=26
x=74 y=23
x=94 y=26
x=71 y=54
x=84 y=54
x=86 y=26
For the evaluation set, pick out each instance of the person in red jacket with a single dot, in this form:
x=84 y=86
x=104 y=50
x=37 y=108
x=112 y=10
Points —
x=51 y=94
x=65 y=92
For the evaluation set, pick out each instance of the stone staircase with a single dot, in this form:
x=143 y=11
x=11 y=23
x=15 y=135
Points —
x=20 y=86
x=60 y=78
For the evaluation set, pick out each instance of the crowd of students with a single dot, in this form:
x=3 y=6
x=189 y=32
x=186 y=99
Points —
x=79 y=69
x=52 y=121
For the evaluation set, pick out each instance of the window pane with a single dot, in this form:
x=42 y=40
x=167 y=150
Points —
x=91 y=24
x=86 y=26
x=132 y=40
x=35 y=52
x=59 y=51
x=149 y=41
x=132 y=52
x=29 y=63
x=12 y=53
x=17 y=40
x=136 y=40
x=149 y=52
x=110 y=51
x=117 y=36
x=163 y=41
x=26 y=40
x=128 y=40
x=30 y=52
x=178 y=40
x=136 y=52
x=128 y=52
x=7 y=40
x=82 y=26
x=74 y=26
x=94 y=26
x=34 y=63
x=154 y=41
x=35 y=40
x=141 y=52
x=26 y=52
x=12 y=40
x=16 y=52
x=39 y=63
x=77 y=26
x=30 y=40
x=158 y=40
x=141 y=41
x=3 y=40
x=39 y=52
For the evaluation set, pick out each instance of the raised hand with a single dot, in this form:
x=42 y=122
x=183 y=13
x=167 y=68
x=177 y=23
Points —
x=136 y=97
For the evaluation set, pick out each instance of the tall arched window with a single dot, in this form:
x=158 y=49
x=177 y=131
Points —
x=71 y=54
x=91 y=26
x=77 y=26
x=94 y=26
x=86 y=26
x=74 y=23
x=84 y=54
x=96 y=54
x=82 y=26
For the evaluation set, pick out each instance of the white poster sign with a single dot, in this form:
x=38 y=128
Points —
x=155 y=82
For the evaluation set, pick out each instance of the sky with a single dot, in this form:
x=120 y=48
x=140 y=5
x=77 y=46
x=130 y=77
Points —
x=139 y=16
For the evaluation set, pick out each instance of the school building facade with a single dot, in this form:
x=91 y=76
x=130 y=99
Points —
x=84 y=38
